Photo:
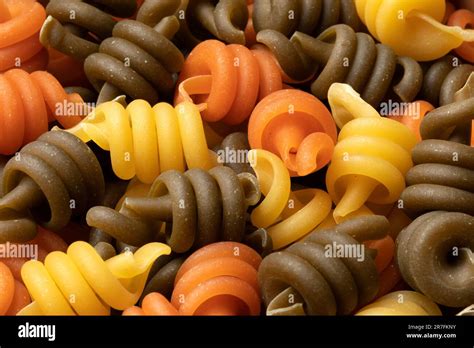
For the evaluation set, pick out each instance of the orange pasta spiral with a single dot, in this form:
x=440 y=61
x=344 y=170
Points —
x=219 y=279
x=28 y=103
x=296 y=126
x=20 y=23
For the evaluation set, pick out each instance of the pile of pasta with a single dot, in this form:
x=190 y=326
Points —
x=236 y=157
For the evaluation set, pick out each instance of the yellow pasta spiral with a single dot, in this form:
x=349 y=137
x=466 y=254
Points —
x=287 y=216
x=80 y=282
x=371 y=157
x=412 y=27
x=145 y=141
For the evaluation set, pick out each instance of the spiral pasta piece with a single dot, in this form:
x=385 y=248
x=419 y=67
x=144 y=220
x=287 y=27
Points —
x=433 y=255
x=100 y=240
x=20 y=23
x=343 y=55
x=442 y=178
x=391 y=22
x=297 y=127
x=14 y=294
x=310 y=17
x=225 y=20
x=227 y=81
x=218 y=279
x=29 y=102
x=48 y=182
x=145 y=141
x=76 y=28
x=443 y=175
x=80 y=282
x=312 y=277
x=162 y=276
x=46 y=242
x=443 y=79
x=137 y=61
x=371 y=157
x=463 y=18
x=401 y=303
x=287 y=216
x=199 y=208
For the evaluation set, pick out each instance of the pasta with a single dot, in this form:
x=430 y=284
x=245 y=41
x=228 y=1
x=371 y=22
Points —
x=236 y=158
x=345 y=56
x=310 y=278
x=50 y=181
x=401 y=303
x=310 y=17
x=29 y=102
x=463 y=18
x=441 y=195
x=100 y=240
x=371 y=157
x=218 y=279
x=20 y=23
x=199 y=207
x=443 y=79
x=68 y=20
x=146 y=141
x=287 y=216
x=433 y=257
x=391 y=22
x=227 y=81
x=137 y=61
x=162 y=276
x=13 y=292
x=297 y=127
x=80 y=282
x=226 y=20
x=10 y=267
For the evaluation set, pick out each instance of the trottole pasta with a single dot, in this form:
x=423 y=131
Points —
x=29 y=102
x=65 y=17
x=310 y=17
x=433 y=257
x=10 y=269
x=297 y=127
x=138 y=61
x=145 y=141
x=226 y=81
x=48 y=182
x=463 y=18
x=80 y=282
x=20 y=23
x=372 y=155
x=339 y=54
x=218 y=279
x=287 y=216
x=199 y=208
x=391 y=22
x=304 y=279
